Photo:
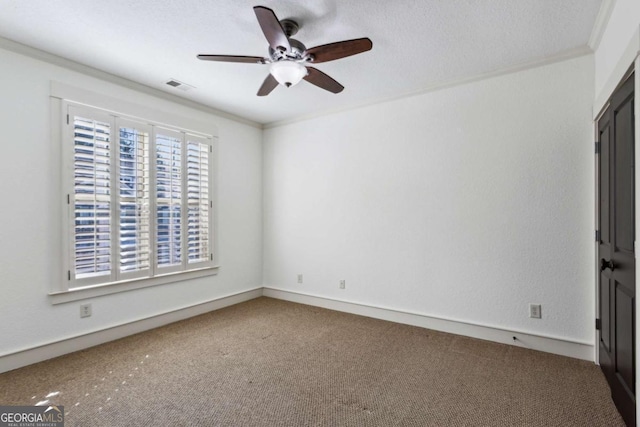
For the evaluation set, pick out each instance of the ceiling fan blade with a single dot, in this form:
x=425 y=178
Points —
x=233 y=58
x=337 y=50
x=272 y=29
x=269 y=84
x=320 y=79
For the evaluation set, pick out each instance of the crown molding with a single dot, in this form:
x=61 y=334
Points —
x=560 y=57
x=600 y=25
x=50 y=58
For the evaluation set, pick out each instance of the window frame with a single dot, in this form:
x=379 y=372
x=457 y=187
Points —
x=68 y=288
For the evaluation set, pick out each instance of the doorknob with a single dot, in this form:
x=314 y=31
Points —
x=606 y=264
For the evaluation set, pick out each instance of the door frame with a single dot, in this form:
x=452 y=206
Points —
x=629 y=62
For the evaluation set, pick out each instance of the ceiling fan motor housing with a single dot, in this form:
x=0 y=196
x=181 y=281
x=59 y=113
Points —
x=296 y=53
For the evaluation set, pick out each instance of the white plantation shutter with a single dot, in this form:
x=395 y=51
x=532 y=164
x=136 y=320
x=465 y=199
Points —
x=91 y=201
x=169 y=199
x=140 y=200
x=134 y=186
x=198 y=200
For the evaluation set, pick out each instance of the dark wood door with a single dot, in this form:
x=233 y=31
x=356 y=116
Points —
x=616 y=243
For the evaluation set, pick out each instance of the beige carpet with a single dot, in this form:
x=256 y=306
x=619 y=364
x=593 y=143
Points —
x=273 y=363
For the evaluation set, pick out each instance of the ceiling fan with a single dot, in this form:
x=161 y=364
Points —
x=289 y=57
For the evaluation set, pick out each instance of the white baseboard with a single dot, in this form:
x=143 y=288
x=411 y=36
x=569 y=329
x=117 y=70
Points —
x=578 y=350
x=43 y=352
x=18 y=359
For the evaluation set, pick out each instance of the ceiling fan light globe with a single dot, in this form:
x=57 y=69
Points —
x=288 y=73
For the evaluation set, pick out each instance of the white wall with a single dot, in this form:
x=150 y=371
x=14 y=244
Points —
x=30 y=217
x=623 y=24
x=466 y=203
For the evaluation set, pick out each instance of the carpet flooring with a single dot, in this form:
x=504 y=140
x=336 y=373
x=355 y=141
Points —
x=267 y=362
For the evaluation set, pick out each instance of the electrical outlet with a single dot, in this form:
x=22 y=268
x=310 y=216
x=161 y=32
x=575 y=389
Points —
x=535 y=311
x=343 y=284
x=85 y=310
x=300 y=278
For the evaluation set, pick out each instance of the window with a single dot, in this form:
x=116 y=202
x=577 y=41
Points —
x=139 y=199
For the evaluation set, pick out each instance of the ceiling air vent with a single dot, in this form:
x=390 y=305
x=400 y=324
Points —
x=179 y=85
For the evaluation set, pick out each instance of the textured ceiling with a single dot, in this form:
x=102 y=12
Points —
x=417 y=44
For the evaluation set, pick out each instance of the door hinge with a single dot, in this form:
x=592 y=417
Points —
x=67 y=119
x=597 y=235
x=598 y=324
x=597 y=144
x=211 y=148
x=68 y=274
x=68 y=199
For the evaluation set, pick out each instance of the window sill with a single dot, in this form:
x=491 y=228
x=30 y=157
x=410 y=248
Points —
x=128 y=285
